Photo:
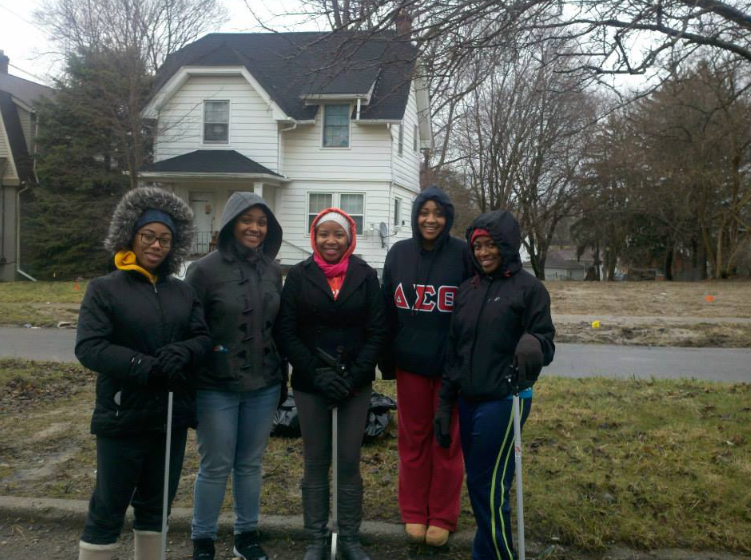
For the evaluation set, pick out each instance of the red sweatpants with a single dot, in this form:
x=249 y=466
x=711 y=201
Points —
x=430 y=477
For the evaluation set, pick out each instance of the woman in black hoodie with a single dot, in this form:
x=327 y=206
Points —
x=421 y=277
x=141 y=331
x=239 y=285
x=501 y=336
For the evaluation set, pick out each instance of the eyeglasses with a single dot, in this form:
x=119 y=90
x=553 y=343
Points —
x=149 y=238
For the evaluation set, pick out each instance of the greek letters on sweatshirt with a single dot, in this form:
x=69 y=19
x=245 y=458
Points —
x=419 y=289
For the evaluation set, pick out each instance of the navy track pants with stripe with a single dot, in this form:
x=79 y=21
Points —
x=487 y=433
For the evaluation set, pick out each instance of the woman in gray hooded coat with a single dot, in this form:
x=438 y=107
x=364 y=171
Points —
x=239 y=387
x=141 y=331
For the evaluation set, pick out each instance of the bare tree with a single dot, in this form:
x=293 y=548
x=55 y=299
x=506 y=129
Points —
x=120 y=44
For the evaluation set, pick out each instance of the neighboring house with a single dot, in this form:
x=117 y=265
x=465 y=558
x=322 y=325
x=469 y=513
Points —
x=17 y=131
x=564 y=264
x=307 y=120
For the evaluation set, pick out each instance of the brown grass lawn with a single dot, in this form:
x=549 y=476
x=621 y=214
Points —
x=646 y=464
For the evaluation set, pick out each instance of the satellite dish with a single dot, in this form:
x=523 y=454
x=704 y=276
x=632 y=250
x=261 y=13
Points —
x=383 y=230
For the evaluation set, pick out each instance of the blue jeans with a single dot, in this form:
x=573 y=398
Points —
x=233 y=429
x=487 y=432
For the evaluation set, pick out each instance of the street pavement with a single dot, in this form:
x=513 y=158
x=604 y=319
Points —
x=571 y=360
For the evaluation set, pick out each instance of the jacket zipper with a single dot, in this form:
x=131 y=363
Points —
x=474 y=336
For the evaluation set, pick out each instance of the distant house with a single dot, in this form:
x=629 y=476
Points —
x=307 y=120
x=563 y=264
x=17 y=130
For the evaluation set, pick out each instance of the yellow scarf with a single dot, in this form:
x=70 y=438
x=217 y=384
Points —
x=126 y=260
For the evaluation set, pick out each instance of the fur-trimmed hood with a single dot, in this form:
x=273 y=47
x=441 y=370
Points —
x=135 y=203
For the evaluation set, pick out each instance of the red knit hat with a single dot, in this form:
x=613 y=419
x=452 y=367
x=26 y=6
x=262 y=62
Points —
x=479 y=232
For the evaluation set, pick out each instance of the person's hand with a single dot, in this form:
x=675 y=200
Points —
x=442 y=424
x=331 y=385
x=171 y=363
x=528 y=361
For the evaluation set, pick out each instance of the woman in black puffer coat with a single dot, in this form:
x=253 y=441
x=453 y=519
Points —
x=141 y=331
x=332 y=302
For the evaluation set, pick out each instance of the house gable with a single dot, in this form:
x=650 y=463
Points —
x=20 y=168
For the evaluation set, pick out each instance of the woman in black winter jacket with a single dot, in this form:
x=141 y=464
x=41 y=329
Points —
x=140 y=330
x=332 y=302
x=501 y=337
x=239 y=286
x=421 y=277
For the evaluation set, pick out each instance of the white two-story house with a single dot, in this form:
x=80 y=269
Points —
x=307 y=120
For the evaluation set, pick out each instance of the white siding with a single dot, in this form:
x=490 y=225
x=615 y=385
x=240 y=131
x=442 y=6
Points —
x=252 y=129
x=9 y=176
x=292 y=212
x=406 y=167
x=25 y=118
x=366 y=159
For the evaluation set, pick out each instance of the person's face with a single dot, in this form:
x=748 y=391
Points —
x=151 y=245
x=331 y=241
x=487 y=253
x=431 y=221
x=251 y=227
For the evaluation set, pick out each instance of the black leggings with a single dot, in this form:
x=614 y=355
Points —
x=130 y=470
x=315 y=424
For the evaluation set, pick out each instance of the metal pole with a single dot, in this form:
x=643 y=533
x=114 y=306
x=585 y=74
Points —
x=165 y=497
x=519 y=493
x=335 y=478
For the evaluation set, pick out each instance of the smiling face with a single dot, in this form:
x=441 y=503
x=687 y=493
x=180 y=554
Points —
x=431 y=221
x=251 y=227
x=331 y=241
x=148 y=245
x=487 y=253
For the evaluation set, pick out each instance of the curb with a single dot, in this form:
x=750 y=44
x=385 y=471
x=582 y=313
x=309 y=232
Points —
x=73 y=513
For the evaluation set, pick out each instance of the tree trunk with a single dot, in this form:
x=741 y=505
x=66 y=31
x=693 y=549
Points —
x=668 y=265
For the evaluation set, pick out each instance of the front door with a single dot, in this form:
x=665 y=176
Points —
x=202 y=204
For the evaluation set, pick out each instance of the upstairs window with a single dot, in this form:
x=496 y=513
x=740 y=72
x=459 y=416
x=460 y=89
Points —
x=401 y=139
x=397 y=212
x=216 y=122
x=336 y=126
x=416 y=139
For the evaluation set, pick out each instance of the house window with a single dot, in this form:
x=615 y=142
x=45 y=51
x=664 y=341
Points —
x=354 y=205
x=316 y=203
x=336 y=126
x=401 y=139
x=216 y=122
x=416 y=139
x=397 y=212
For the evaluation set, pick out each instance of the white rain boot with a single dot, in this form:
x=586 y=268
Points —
x=88 y=551
x=147 y=545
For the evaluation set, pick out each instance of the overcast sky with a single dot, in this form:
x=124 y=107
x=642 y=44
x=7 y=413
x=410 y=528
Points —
x=30 y=53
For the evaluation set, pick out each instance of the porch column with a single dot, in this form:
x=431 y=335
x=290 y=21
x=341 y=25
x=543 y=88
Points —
x=258 y=189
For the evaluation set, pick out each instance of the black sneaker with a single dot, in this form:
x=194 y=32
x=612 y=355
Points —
x=248 y=547
x=203 y=549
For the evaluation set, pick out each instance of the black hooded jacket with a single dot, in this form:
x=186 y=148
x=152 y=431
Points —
x=239 y=289
x=492 y=313
x=419 y=289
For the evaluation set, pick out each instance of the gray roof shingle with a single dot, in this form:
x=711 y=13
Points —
x=209 y=161
x=290 y=66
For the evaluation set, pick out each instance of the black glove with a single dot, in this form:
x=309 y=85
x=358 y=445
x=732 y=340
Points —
x=528 y=360
x=143 y=368
x=442 y=424
x=331 y=385
x=171 y=362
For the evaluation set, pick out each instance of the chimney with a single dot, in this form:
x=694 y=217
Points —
x=403 y=22
x=4 y=61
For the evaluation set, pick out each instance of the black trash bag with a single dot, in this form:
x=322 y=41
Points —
x=379 y=416
x=286 y=422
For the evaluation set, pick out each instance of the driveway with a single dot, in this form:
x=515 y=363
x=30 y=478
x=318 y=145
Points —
x=571 y=360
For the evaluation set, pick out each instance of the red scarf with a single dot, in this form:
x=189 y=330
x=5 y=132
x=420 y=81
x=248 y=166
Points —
x=334 y=272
